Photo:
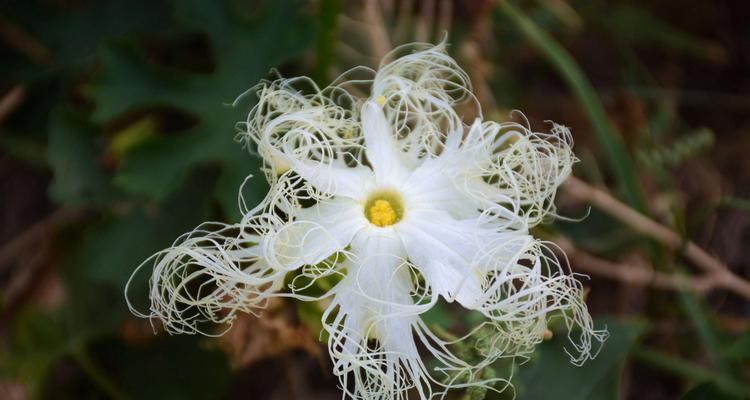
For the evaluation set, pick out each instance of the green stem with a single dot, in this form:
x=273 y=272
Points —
x=700 y=320
x=735 y=202
x=89 y=367
x=690 y=371
x=329 y=10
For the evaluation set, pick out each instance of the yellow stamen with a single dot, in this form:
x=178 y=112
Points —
x=380 y=99
x=382 y=213
x=384 y=208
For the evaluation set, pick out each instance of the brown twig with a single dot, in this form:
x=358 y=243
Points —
x=425 y=21
x=378 y=37
x=477 y=70
x=444 y=18
x=404 y=22
x=716 y=271
x=11 y=100
x=22 y=243
x=635 y=273
x=16 y=37
x=28 y=269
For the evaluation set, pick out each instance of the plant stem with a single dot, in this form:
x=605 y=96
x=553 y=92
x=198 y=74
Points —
x=644 y=225
x=690 y=371
x=700 y=320
x=329 y=10
x=97 y=376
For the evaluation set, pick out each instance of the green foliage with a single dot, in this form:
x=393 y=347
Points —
x=108 y=252
x=129 y=83
x=35 y=342
x=608 y=137
x=684 y=148
x=708 y=391
x=549 y=373
x=166 y=368
x=326 y=40
x=74 y=157
x=692 y=371
x=620 y=20
x=147 y=184
x=70 y=35
x=740 y=348
x=24 y=149
x=173 y=368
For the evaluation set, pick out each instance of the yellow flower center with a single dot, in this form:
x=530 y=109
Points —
x=384 y=209
x=380 y=99
x=382 y=213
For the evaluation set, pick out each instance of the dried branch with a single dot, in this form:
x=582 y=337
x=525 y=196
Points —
x=425 y=21
x=717 y=273
x=17 y=38
x=444 y=18
x=11 y=100
x=635 y=273
x=24 y=242
x=378 y=37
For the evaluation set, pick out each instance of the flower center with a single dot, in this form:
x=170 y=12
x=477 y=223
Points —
x=384 y=209
x=382 y=213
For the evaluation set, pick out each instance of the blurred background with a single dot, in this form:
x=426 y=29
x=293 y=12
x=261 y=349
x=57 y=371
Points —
x=116 y=136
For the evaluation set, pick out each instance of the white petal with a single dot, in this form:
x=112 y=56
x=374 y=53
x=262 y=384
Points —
x=447 y=182
x=443 y=249
x=315 y=233
x=433 y=186
x=456 y=255
x=379 y=265
x=373 y=302
x=335 y=178
x=382 y=152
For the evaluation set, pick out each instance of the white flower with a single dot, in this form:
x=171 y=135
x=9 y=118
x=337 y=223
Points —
x=407 y=206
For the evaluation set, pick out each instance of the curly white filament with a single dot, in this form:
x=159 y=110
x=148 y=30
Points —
x=405 y=205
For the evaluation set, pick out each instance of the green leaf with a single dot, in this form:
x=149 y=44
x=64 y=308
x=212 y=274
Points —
x=245 y=48
x=128 y=82
x=704 y=327
x=708 y=391
x=168 y=368
x=35 y=342
x=324 y=54
x=110 y=250
x=24 y=149
x=691 y=371
x=740 y=349
x=735 y=202
x=165 y=368
x=70 y=34
x=73 y=155
x=550 y=375
x=621 y=18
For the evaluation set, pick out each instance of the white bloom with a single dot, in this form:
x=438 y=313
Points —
x=407 y=205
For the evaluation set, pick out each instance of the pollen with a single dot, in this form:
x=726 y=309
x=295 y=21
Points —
x=382 y=213
x=384 y=209
x=380 y=99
